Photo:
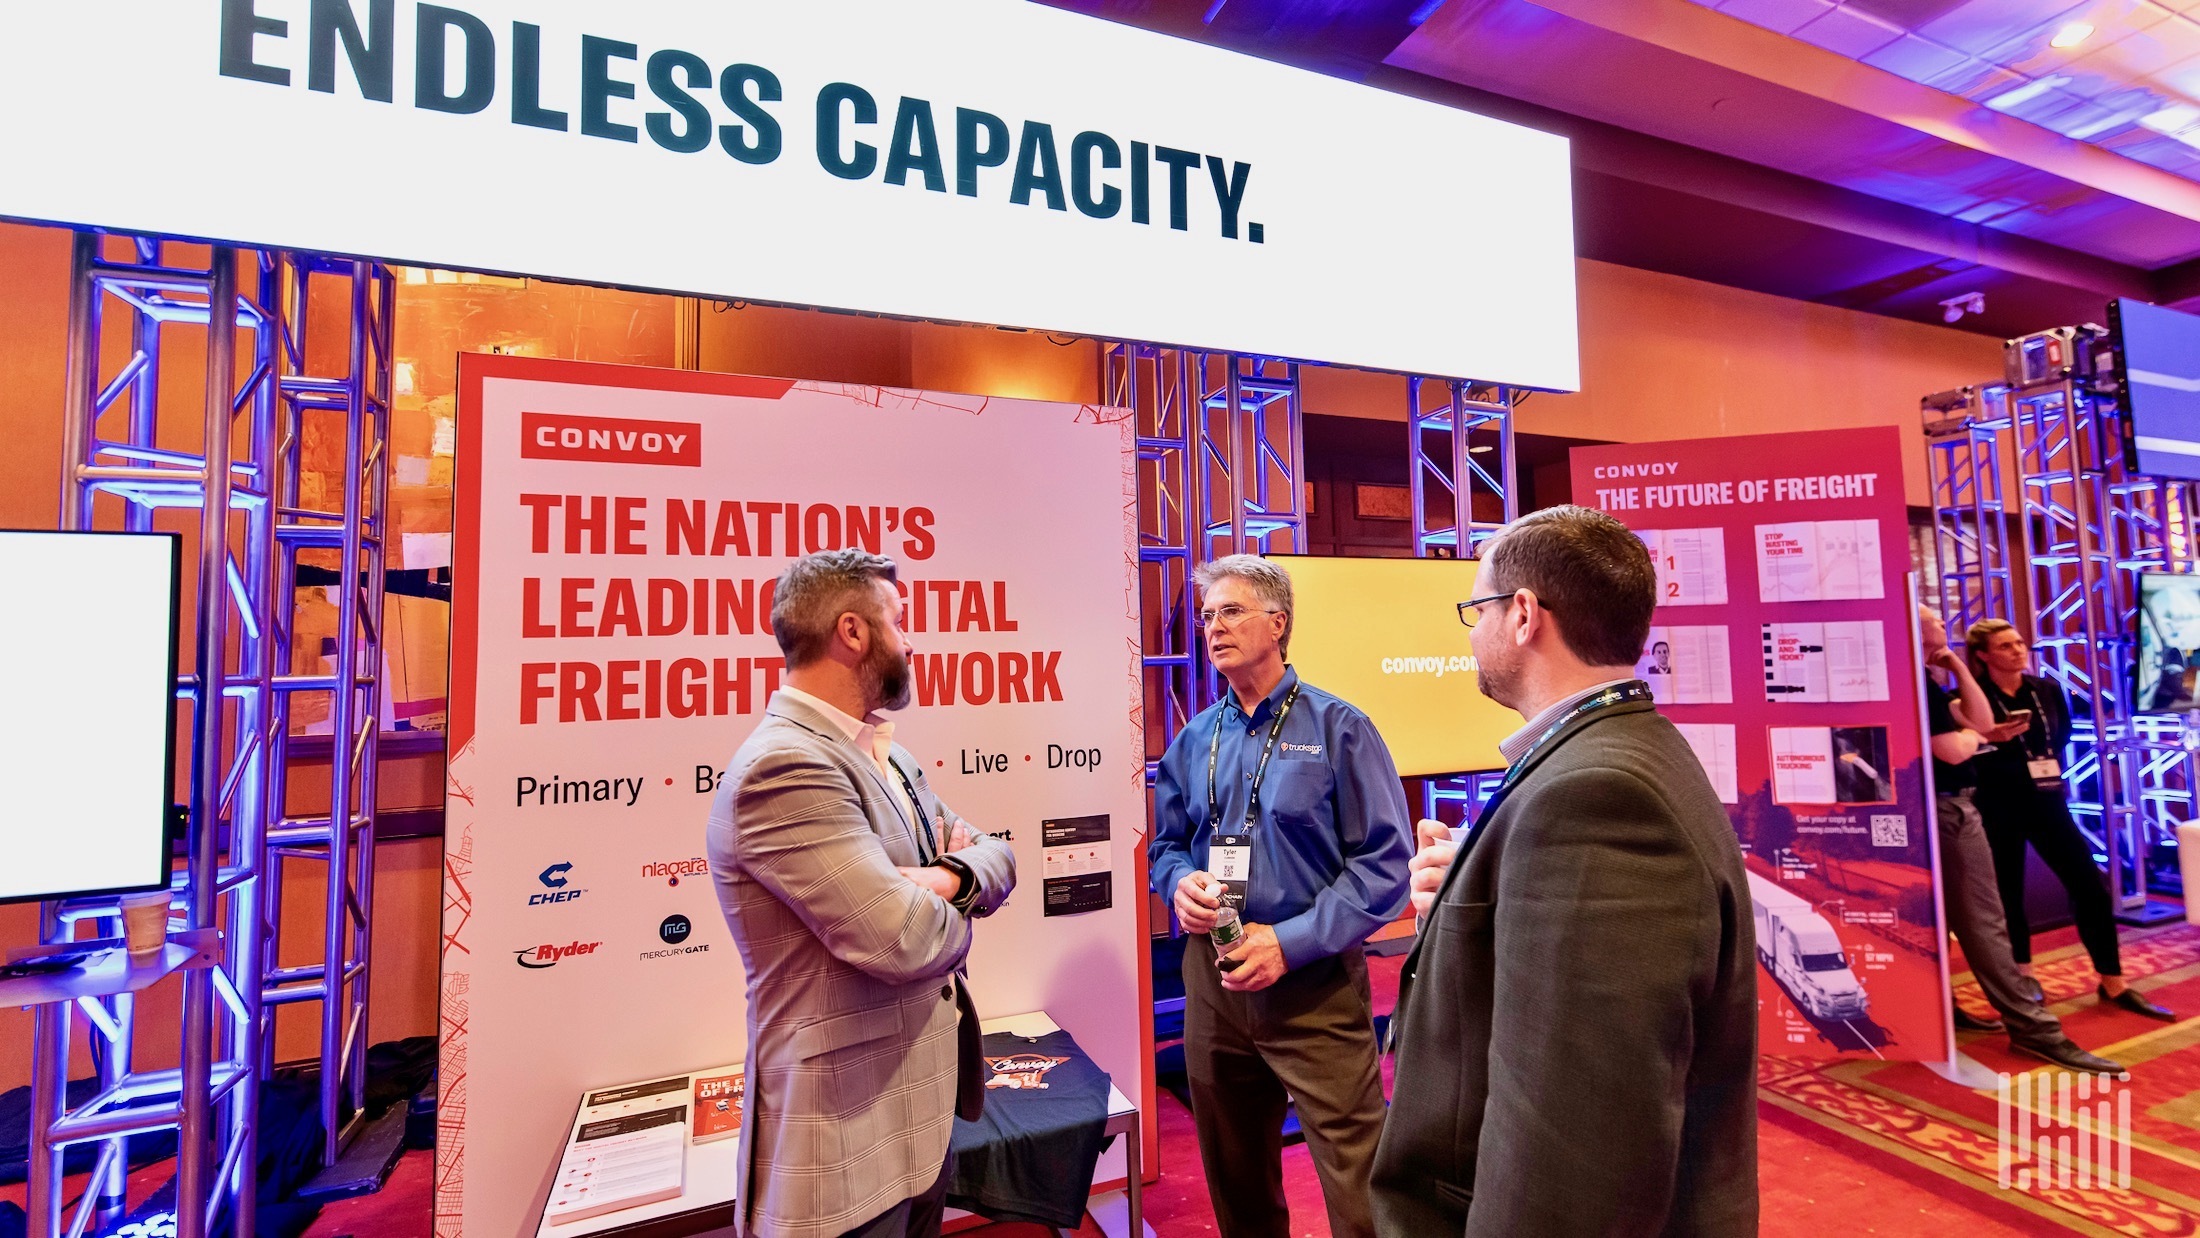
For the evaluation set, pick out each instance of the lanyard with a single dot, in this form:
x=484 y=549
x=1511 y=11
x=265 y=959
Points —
x=931 y=841
x=2036 y=743
x=1618 y=694
x=1260 y=770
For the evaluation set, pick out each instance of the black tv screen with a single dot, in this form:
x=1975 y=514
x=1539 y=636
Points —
x=2158 y=367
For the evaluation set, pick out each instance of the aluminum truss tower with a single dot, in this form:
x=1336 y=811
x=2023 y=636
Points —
x=1447 y=477
x=123 y=440
x=1221 y=456
x=1964 y=430
x=128 y=439
x=334 y=389
x=2088 y=527
x=1450 y=470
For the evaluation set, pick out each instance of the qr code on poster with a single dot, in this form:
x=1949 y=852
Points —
x=1890 y=830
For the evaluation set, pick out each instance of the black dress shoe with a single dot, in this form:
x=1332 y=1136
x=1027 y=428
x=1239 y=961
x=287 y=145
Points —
x=2062 y=1053
x=1968 y=1022
x=2131 y=1000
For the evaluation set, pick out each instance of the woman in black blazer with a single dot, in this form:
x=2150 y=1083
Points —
x=2021 y=799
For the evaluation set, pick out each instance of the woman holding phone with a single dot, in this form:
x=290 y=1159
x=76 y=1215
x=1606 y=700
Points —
x=2020 y=798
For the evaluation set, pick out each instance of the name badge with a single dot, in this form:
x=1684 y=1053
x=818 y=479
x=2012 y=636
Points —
x=1230 y=859
x=2046 y=769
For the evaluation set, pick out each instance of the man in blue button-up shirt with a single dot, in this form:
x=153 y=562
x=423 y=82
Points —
x=1284 y=1017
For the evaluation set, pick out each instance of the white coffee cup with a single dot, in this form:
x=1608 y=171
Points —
x=145 y=922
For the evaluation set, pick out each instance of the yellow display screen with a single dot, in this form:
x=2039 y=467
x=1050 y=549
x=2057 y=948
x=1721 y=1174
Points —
x=1385 y=635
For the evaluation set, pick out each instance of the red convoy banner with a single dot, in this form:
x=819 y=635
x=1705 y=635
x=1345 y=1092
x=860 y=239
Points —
x=1785 y=649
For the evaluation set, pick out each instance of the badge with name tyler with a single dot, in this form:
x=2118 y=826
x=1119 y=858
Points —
x=1230 y=859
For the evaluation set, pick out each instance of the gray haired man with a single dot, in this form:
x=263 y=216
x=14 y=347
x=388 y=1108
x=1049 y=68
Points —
x=850 y=889
x=1285 y=798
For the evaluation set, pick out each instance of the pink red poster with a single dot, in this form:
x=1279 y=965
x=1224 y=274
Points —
x=1783 y=649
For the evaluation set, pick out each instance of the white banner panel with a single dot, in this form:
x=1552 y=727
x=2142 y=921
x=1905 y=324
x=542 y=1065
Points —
x=617 y=531
x=987 y=161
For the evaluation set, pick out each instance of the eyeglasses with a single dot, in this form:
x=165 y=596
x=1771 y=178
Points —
x=1471 y=609
x=1230 y=614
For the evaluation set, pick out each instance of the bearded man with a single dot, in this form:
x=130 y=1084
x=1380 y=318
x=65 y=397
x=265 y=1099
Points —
x=850 y=889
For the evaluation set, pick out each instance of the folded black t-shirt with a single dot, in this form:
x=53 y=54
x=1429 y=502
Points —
x=1031 y=1155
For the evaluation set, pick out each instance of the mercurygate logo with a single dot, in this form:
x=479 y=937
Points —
x=1462 y=664
x=610 y=440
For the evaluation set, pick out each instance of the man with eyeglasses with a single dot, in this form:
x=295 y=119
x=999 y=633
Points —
x=1283 y=801
x=1576 y=1027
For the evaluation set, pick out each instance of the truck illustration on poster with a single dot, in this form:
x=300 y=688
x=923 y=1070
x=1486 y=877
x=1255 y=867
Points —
x=1793 y=549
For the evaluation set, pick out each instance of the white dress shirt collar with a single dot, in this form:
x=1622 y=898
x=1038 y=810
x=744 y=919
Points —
x=857 y=730
x=1516 y=745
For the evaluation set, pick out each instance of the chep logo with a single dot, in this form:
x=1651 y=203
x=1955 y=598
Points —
x=610 y=440
x=557 y=886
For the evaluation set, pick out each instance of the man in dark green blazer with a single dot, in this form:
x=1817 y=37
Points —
x=1576 y=1029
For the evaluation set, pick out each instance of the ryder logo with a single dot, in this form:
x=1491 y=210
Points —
x=550 y=956
x=610 y=440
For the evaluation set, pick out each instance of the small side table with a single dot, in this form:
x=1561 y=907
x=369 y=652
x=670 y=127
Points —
x=1123 y=1117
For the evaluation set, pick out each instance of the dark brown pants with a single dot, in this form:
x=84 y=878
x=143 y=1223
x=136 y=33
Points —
x=1306 y=1040
x=912 y=1218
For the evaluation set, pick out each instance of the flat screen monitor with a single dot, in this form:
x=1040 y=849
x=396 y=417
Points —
x=2169 y=643
x=88 y=689
x=1384 y=634
x=2158 y=368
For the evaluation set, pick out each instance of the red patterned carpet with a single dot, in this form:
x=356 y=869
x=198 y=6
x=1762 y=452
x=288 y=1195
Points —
x=1857 y=1147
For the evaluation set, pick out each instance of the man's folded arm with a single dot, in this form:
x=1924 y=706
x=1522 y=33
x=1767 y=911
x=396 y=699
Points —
x=803 y=835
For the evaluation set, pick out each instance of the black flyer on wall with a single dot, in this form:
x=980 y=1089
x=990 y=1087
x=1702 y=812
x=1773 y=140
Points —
x=1078 y=864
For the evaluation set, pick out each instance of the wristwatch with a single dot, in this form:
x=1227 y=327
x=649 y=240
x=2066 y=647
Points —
x=966 y=888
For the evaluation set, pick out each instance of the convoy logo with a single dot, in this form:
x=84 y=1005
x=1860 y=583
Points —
x=539 y=957
x=610 y=440
x=557 y=886
x=1021 y=1071
x=673 y=870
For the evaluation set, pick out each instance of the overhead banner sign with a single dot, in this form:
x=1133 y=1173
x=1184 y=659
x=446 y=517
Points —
x=618 y=535
x=985 y=161
x=1784 y=648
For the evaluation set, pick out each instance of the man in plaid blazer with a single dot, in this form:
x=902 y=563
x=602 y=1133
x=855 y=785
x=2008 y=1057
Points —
x=850 y=889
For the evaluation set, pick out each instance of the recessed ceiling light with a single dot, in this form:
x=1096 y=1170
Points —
x=2073 y=33
x=2178 y=120
x=2017 y=97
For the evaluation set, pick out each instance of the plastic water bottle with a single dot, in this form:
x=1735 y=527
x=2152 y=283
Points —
x=1228 y=930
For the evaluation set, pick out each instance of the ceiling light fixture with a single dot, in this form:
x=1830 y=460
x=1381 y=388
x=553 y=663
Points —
x=1953 y=309
x=2178 y=120
x=2010 y=100
x=2073 y=33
